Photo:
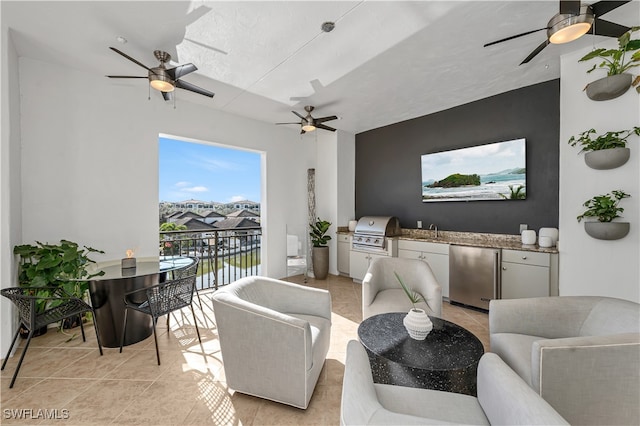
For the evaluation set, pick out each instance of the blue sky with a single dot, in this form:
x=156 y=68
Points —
x=205 y=172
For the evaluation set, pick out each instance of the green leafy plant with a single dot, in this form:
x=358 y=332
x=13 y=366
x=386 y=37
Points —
x=617 y=139
x=413 y=295
x=318 y=233
x=56 y=265
x=515 y=193
x=604 y=207
x=620 y=60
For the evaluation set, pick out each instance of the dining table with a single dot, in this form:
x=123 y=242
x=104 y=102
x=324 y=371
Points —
x=108 y=289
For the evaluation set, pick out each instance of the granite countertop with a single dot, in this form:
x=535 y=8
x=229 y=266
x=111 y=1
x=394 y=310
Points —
x=475 y=239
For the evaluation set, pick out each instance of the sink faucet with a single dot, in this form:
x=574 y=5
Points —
x=432 y=226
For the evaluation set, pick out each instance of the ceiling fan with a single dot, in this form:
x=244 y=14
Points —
x=310 y=123
x=163 y=79
x=573 y=21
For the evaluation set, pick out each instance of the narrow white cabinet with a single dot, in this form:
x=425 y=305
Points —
x=359 y=260
x=435 y=254
x=344 y=247
x=529 y=274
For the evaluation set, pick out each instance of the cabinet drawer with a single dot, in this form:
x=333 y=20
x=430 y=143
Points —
x=424 y=246
x=526 y=257
x=343 y=238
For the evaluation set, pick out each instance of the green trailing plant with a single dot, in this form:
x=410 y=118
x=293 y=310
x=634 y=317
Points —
x=515 y=193
x=620 y=60
x=318 y=232
x=604 y=207
x=414 y=296
x=608 y=140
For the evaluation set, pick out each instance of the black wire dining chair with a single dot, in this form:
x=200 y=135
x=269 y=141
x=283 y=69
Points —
x=161 y=299
x=58 y=305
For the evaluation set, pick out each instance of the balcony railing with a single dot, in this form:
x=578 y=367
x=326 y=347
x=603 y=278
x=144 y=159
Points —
x=225 y=254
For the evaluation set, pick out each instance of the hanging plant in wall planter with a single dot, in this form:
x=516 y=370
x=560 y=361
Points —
x=617 y=62
x=605 y=209
x=606 y=151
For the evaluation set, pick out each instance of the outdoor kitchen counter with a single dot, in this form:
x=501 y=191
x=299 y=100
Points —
x=501 y=241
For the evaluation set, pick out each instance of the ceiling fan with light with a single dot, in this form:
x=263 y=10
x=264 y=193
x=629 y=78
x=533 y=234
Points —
x=309 y=123
x=164 y=79
x=572 y=22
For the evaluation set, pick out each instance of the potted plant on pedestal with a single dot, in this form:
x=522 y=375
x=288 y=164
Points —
x=605 y=209
x=417 y=321
x=61 y=265
x=320 y=252
x=606 y=151
x=617 y=62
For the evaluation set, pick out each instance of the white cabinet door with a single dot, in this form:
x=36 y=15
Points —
x=344 y=249
x=358 y=265
x=525 y=274
x=435 y=254
x=439 y=264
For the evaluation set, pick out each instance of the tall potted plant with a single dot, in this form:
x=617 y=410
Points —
x=320 y=253
x=617 y=62
x=605 y=209
x=606 y=151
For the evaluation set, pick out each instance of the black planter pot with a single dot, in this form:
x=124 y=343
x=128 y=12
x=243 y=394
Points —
x=24 y=332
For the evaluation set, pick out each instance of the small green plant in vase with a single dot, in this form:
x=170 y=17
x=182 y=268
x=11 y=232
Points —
x=606 y=151
x=605 y=208
x=417 y=321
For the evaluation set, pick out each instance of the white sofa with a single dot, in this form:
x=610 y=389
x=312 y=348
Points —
x=503 y=398
x=580 y=353
x=274 y=337
x=381 y=291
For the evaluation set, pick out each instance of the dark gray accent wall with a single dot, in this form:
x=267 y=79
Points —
x=388 y=173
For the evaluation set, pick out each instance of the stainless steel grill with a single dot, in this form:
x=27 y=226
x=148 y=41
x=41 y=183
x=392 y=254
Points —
x=372 y=231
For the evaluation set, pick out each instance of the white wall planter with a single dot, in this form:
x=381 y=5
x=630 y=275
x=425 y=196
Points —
x=606 y=159
x=607 y=230
x=609 y=87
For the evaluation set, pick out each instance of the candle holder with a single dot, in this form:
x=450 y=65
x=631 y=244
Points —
x=128 y=263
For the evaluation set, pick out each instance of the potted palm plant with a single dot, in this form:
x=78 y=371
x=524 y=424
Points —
x=417 y=321
x=617 y=62
x=320 y=253
x=606 y=151
x=604 y=208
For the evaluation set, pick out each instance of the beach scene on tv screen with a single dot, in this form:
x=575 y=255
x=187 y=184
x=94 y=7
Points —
x=495 y=171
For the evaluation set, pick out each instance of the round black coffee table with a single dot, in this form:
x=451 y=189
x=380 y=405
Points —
x=446 y=360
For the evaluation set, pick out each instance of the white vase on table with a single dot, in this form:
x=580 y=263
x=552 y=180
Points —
x=418 y=324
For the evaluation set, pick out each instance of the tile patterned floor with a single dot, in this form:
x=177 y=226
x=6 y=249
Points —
x=76 y=386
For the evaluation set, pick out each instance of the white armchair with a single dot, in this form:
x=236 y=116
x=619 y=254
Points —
x=580 y=353
x=381 y=291
x=274 y=337
x=503 y=398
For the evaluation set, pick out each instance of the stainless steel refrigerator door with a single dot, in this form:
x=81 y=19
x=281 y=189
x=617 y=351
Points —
x=474 y=277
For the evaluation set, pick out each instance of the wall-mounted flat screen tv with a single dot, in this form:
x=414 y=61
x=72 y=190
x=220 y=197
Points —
x=495 y=171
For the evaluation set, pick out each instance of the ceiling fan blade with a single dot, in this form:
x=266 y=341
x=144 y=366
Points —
x=135 y=61
x=602 y=7
x=166 y=96
x=323 y=119
x=571 y=7
x=609 y=29
x=193 y=88
x=126 y=76
x=301 y=117
x=514 y=36
x=535 y=52
x=322 y=126
x=289 y=123
x=181 y=71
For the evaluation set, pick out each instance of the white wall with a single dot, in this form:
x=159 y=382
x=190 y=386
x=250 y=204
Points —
x=589 y=266
x=10 y=201
x=90 y=162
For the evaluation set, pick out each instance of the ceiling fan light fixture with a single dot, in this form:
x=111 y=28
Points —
x=160 y=80
x=564 y=28
x=308 y=127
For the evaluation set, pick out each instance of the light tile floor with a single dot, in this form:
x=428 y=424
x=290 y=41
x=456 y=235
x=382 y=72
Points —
x=73 y=383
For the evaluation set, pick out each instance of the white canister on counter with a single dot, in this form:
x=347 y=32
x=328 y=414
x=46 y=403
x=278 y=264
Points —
x=528 y=237
x=545 y=241
x=352 y=225
x=551 y=233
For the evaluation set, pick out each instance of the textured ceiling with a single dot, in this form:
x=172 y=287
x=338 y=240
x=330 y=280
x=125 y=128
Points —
x=385 y=61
